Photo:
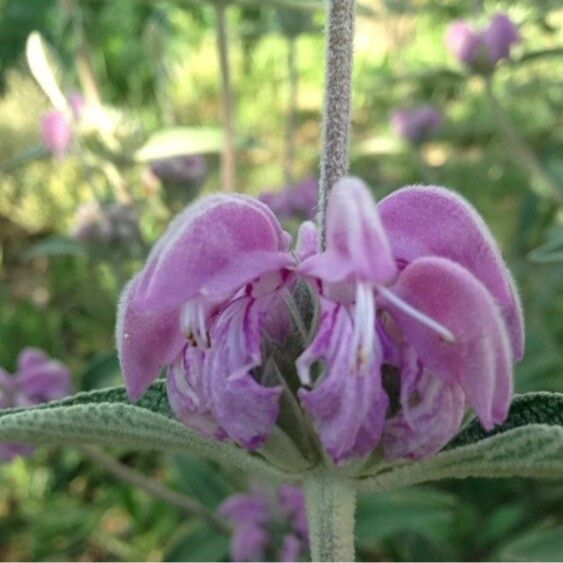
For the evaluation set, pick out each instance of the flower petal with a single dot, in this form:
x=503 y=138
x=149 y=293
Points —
x=463 y=42
x=348 y=408
x=247 y=508
x=186 y=394
x=357 y=246
x=43 y=381
x=499 y=37
x=246 y=409
x=480 y=359
x=428 y=220
x=291 y=548
x=431 y=414
x=215 y=247
x=249 y=543
x=30 y=357
x=306 y=244
x=146 y=341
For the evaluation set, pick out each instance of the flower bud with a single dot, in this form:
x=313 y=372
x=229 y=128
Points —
x=56 y=132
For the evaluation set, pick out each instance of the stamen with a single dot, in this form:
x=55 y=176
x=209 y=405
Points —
x=364 y=325
x=193 y=324
x=444 y=333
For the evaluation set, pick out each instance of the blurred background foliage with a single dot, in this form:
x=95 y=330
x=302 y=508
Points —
x=155 y=64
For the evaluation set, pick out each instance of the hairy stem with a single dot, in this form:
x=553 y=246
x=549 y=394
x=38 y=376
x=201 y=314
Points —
x=331 y=504
x=293 y=79
x=525 y=154
x=337 y=105
x=155 y=489
x=228 y=164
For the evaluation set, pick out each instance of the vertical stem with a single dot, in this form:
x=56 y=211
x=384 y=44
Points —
x=86 y=73
x=526 y=155
x=293 y=78
x=337 y=105
x=331 y=504
x=228 y=171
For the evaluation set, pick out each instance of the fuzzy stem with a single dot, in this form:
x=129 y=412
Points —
x=228 y=164
x=337 y=105
x=526 y=155
x=331 y=504
x=155 y=489
x=293 y=79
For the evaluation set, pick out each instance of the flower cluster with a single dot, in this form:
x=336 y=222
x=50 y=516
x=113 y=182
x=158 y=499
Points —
x=38 y=379
x=482 y=49
x=411 y=317
x=415 y=125
x=294 y=202
x=267 y=527
x=108 y=224
x=185 y=170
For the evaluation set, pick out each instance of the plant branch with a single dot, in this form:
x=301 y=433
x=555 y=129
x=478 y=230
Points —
x=331 y=504
x=155 y=489
x=228 y=164
x=337 y=105
x=525 y=154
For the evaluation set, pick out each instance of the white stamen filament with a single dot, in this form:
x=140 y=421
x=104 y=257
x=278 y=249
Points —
x=364 y=325
x=444 y=333
x=193 y=323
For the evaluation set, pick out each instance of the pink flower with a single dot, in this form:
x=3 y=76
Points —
x=482 y=49
x=294 y=202
x=419 y=318
x=211 y=293
x=56 y=132
x=253 y=515
x=416 y=124
x=38 y=379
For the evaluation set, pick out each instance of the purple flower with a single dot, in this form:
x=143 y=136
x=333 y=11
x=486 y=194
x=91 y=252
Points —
x=56 y=132
x=482 y=49
x=211 y=294
x=419 y=318
x=292 y=502
x=294 y=202
x=106 y=224
x=38 y=379
x=415 y=125
x=257 y=514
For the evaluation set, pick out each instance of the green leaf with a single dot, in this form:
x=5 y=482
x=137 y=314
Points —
x=180 y=141
x=200 y=479
x=528 y=444
x=29 y=155
x=55 y=245
x=531 y=408
x=103 y=371
x=200 y=543
x=107 y=417
x=540 y=545
x=551 y=251
x=423 y=511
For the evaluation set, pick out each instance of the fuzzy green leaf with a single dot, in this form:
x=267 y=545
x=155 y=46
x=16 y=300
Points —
x=107 y=417
x=531 y=408
x=528 y=444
